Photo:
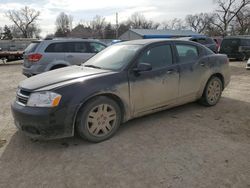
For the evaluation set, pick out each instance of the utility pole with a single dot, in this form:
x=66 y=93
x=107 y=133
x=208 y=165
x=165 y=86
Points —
x=117 y=25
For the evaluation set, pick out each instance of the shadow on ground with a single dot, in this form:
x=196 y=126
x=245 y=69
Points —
x=189 y=145
x=10 y=63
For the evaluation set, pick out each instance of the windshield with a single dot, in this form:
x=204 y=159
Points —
x=32 y=47
x=114 y=57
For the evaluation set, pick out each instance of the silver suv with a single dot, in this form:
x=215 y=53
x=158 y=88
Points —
x=45 y=55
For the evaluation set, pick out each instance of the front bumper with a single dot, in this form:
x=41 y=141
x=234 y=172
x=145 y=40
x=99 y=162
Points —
x=43 y=123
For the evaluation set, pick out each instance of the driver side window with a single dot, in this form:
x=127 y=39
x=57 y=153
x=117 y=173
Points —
x=158 y=57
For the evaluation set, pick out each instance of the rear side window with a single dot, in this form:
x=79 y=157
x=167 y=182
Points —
x=67 y=47
x=96 y=47
x=76 y=47
x=187 y=52
x=32 y=47
x=230 y=42
x=56 y=48
x=158 y=57
x=245 y=42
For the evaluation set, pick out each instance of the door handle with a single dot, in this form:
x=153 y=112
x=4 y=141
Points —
x=69 y=56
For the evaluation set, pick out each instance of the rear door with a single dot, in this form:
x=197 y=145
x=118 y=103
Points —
x=192 y=66
x=77 y=52
x=54 y=53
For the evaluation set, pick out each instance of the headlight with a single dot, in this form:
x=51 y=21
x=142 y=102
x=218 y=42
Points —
x=44 y=99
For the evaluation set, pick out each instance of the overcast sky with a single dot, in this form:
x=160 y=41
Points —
x=157 y=10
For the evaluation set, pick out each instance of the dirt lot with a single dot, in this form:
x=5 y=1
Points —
x=189 y=146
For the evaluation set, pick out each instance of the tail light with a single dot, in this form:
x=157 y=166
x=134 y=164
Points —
x=34 y=57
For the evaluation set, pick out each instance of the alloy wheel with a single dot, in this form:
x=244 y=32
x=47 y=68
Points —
x=101 y=120
x=214 y=91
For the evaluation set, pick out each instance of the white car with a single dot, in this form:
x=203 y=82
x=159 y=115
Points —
x=248 y=64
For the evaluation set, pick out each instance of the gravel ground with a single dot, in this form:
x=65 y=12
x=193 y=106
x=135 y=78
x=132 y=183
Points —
x=189 y=146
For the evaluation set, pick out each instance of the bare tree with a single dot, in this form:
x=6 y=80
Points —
x=98 y=25
x=24 y=20
x=175 y=24
x=110 y=31
x=226 y=12
x=123 y=27
x=138 y=21
x=6 y=33
x=63 y=25
x=16 y=32
x=241 y=24
x=199 y=22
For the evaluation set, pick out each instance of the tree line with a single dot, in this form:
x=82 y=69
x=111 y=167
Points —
x=231 y=17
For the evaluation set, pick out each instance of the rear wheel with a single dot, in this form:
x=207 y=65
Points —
x=212 y=92
x=99 y=119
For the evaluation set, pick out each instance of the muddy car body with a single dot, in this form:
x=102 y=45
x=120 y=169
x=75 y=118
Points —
x=140 y=85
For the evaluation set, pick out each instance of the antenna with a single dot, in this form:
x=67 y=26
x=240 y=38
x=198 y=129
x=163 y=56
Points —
x=117 y=25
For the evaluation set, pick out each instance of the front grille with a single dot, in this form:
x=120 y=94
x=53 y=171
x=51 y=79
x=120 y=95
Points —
x=22 y=97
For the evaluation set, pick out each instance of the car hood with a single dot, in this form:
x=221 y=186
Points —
x=60 y=75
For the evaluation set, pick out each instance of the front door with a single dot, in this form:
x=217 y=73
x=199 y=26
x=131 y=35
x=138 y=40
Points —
x=158 y=87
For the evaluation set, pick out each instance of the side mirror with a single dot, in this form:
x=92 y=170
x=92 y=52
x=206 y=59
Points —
x=143 y=67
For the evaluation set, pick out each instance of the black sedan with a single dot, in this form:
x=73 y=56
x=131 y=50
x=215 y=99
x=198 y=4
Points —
x=124 y=81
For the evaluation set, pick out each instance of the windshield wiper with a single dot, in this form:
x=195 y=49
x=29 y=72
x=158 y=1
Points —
x=93 y=66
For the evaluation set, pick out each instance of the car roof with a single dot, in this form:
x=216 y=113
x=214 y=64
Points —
x=51 y=40
x=145 y=42
x=195 y=37
x=238 y=37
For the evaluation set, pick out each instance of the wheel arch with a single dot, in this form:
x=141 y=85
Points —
x=220 y=76
x=204 y=83
x=57 y=66
x=112 y=96
x=56 y=63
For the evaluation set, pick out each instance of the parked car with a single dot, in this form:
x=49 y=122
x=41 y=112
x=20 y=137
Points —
x=248 y=65
x=204 y=40
x=218 y=41
x=125 y=81
x=236 y=47
x=45 y=55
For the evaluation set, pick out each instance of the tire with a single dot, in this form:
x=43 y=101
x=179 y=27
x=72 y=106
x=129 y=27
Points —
x=99 y=119
x=212 y=92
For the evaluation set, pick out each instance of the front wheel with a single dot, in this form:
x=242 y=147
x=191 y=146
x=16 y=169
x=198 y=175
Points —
x=99 y=119
x=212 y=92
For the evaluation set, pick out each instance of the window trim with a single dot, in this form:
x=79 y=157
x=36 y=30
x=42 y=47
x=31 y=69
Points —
x=66 y=47
x=153 y=46
x=53 y=43
x=187 y=44
x=86 y=46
